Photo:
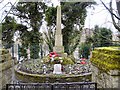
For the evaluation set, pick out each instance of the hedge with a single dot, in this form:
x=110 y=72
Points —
x=106 y=58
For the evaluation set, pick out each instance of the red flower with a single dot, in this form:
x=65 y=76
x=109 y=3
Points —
x=83 y=62
x=53 y=54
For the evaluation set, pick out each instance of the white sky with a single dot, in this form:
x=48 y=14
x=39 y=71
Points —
x=99 y=16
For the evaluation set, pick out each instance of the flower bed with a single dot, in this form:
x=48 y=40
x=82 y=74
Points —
x=49 y=78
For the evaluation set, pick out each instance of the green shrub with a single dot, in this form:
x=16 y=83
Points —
x=67 y=60
x=109 y=50
x=106 y=58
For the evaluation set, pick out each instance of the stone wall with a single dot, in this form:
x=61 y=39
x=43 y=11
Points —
x=106 y=67
x=106 y=80
x=5 y=68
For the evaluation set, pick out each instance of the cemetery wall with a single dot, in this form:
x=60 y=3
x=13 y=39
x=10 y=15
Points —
x=106 y=67
x=5 y=68
x=106 y=80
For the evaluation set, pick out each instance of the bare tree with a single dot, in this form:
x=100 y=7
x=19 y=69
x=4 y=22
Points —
x=113 y=15
x=118 y=6
x=1 y=1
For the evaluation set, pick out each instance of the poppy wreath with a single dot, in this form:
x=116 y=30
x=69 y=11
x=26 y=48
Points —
x=54 y=58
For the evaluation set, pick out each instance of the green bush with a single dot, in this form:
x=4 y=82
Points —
x=106 y=58
x=67 y=60
x=109 y=50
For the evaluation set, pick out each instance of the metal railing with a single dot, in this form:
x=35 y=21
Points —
x=53 y=86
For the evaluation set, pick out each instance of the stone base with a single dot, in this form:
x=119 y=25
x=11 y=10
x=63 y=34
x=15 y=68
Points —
x=62 y=54
x=58 y=49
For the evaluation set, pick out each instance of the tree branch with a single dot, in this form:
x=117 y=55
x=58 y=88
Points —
x=114 y=23
x=112 y=15
x=110 y=10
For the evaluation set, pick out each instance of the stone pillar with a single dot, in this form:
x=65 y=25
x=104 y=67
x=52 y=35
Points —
x=59 y=48
x=58 y=22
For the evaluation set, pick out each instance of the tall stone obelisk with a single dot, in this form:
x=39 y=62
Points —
x=59 y=48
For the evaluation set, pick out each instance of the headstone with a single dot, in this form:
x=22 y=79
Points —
x=16 y=50
x=28 y=53
x=57 y=69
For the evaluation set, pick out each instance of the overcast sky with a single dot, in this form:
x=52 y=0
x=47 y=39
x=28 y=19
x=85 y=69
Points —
x=100 y=16
x=97 y=16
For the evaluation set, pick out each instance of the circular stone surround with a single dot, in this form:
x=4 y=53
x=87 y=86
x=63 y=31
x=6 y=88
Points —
x=49 y=78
